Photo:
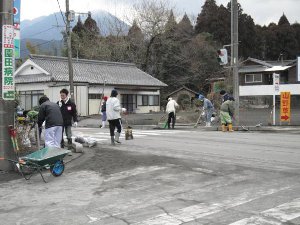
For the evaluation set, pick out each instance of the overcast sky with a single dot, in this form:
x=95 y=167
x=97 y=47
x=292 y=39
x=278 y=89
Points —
x=262 y=11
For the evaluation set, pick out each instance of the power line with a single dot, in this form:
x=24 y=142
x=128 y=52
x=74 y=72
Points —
x=61 y=12
x=41 y=32
x=34 y=46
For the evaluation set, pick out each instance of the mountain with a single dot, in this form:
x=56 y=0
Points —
x=45 y=32
x=51 y=27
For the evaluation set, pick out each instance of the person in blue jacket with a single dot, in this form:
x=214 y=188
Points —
x=208 y=109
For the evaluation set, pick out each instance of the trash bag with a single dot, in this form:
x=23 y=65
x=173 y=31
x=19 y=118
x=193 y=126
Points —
x=86 y=141
x=79 y=140
x=91 y=142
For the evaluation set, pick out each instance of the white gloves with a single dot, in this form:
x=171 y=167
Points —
x=75 y=124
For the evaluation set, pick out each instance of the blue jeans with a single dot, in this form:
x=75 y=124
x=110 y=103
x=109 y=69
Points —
x=208 y=114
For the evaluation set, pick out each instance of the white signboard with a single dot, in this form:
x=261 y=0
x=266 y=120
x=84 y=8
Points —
x=276 y=81
x=8 y=87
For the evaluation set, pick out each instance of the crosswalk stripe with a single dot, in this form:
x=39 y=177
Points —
x=278 y=215
x=201 y=210
x=103 y=135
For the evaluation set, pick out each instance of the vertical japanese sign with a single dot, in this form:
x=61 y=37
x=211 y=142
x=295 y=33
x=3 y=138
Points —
x=276 y=82
x=285 y=106
x=8 y=87
x=17 y=8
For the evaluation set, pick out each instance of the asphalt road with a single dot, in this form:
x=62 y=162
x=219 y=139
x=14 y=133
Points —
x=167 y=177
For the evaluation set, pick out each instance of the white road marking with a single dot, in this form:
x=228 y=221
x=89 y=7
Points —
x=197 y=211
x=103 y=135
x=275 y=216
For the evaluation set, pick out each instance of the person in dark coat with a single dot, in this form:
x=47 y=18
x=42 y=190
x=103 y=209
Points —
x=69 y=113
x=50 y=112
x=225 y=96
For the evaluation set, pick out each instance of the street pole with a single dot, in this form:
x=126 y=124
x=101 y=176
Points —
x=7 y=107
x=70 y=64
x=235 y=58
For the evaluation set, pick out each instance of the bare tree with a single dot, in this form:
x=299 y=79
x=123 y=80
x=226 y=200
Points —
x=151 y=16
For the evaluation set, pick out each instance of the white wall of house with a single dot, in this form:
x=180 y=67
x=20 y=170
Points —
x=94 y=104
x=31 y=87
x=254 y=90
x=147 y=109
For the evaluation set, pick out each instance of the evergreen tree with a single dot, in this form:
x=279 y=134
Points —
x=207 y=19
x=136 y=46
x=283 y=21
x=281 y=39
x=91 y=26
x=184 y=29
x=170 y=26
x=79 y=29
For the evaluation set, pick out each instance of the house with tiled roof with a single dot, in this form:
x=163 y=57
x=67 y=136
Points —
x=139 y=92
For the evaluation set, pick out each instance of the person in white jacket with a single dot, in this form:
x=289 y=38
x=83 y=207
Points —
x=171 y=110
x=113 y=114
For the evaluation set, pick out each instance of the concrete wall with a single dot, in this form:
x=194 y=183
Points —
x=253 y=90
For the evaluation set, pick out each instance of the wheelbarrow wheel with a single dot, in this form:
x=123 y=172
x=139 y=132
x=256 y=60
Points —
x=57 y=168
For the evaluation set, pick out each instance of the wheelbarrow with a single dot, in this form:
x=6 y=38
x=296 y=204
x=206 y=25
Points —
x=46 y=158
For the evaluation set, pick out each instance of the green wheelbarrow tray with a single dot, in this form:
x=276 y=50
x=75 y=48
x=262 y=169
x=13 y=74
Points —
x=45 y=158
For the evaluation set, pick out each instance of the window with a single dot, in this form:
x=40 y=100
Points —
x=142 y=100
x=154 y=100
x=95 y=96
x=253 y=78
x=129 y=102
x=29 y=99
x=145 y=100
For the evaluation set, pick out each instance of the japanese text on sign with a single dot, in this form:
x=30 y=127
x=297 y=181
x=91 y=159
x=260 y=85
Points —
x=8 y=88
x=285 y=106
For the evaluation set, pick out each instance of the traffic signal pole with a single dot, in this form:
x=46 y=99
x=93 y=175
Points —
x=7 y=107
x=234 y=58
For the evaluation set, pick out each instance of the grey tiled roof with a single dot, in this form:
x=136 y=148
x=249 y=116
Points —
x=262 y=66
x=90 y=71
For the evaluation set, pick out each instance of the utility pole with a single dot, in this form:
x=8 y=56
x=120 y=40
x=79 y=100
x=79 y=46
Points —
x=70 y=63
x=235 y=58
x=7 y=107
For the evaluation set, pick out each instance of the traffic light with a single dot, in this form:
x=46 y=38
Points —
x=222 y=56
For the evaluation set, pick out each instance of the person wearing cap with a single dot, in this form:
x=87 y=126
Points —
x=226 y=114
x=113 y=113
x=50 y=113
x=103 y=112
x=225 y=96
x=171 y=110
x=208 y=109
